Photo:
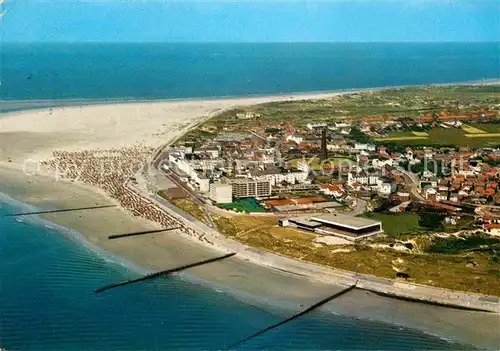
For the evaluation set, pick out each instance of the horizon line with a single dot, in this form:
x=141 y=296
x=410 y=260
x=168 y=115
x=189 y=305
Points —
x=246 y=42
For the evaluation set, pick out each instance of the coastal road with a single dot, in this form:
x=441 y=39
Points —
x=257 y=135
x=194 y=196
x=413 y=183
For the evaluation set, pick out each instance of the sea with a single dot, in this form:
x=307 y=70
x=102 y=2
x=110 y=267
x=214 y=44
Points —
x=48 y=274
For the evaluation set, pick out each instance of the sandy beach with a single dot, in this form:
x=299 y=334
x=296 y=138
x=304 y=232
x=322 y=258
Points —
x=32 y=136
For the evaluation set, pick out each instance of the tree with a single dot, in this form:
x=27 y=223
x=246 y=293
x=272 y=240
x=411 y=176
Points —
x=431 y=221
x=359 y=136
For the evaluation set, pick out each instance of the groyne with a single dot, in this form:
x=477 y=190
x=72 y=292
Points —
x=428 y=301
x=125 y=235
x=295 y=316
x=58 y=211
x=162 y=273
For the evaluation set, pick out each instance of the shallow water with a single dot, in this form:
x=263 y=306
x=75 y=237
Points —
x=47 y=303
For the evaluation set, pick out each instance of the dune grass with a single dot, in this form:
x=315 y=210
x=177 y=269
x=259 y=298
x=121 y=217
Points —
x=471 y=271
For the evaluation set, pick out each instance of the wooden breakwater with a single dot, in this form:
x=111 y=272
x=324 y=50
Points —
x=426 y=301
x=295 y=316
x=163 y=273
x=57 y=211
x=144 y=232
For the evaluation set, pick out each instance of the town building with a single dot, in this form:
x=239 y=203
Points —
x=276 y=176
x=316 y=125
x=245 y=187
x=354 y=177
x=385 y=188
x=364 y=147
x=335 y=190
x=200 y=181
x=247 y=115
x=296 y=138
x=346 y=227
x=221 y=193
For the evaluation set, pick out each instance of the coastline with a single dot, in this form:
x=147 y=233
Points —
x=156 y=248
x=261 y=286
x=40 y=104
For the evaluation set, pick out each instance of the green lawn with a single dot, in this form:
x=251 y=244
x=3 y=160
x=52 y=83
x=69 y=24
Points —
x=397 y=225
x=487 y=127
x=452 y=137
x=403 y=136
x=247 y=205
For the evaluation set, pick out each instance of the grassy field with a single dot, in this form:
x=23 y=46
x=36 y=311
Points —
x=397 y=138
x=397 y=101
x=472 y=130
x=448 y=271
x=397 y=225
x=452 y=137
x=486 y=135
x=404 y=135
x=454 y=245
x=421 y=134
x=487 y=127
x=190 y=207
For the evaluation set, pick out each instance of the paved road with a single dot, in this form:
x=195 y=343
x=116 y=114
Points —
x=194 y=196
x=413 y=182
x=257 y=135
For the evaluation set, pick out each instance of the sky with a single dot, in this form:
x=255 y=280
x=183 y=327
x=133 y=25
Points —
x=250 y=21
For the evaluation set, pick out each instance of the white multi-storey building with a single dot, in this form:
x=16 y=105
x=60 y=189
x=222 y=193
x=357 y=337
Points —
x=376 y=163
x=316 y=124
x=276 y=178
x=201 y=181
x=296 y=138
x=341 y=125
x=385 y=188
x=364 y=147
x=360 y=177
x=221 y=193
x=244 y=187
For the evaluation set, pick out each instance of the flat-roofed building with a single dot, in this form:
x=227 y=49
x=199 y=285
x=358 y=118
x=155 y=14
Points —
x=340 y=225
x=303 y=222
x=317 y=125
x=276 y=176
x=245 y=187
x=221 y=193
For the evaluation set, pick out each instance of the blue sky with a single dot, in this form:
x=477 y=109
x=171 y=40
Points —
x=250 y=21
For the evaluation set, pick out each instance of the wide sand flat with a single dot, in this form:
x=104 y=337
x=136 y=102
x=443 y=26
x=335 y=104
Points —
x=109 y=126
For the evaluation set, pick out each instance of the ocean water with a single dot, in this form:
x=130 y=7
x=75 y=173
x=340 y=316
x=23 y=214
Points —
x=47 y=275
x=47 y=279
x=152 y=71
